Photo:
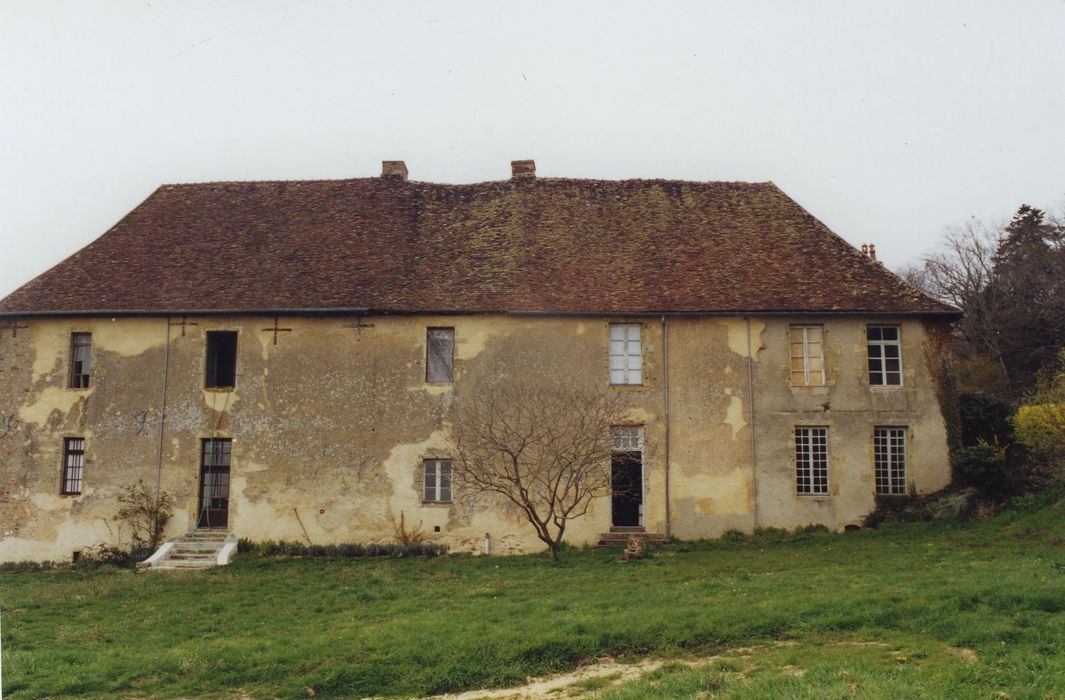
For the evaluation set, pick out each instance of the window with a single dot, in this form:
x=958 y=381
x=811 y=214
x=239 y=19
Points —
x=80 y=359
x=889 y=459
x=807 y=355
x=885 y=356
x=221 y=360
x=440 y=355
x=436 y=481
x=811 y=461
x=73 y=465
x=626 y=353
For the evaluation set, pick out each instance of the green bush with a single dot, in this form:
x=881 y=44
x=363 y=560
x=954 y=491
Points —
x=982 y=467
x=298 y=549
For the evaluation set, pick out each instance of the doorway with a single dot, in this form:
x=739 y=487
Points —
x=214 y=483
x=626 y=480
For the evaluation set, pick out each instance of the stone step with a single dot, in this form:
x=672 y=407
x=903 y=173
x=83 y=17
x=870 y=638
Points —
x=618 y=539
x=628 y=528
x=191 y=556
x=197 y=546
x=184 y=564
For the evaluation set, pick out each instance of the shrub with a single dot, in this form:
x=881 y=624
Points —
x=1039 y=423
x=298 y=549
x=982 y=467
x=145 y=513
x=984 y=420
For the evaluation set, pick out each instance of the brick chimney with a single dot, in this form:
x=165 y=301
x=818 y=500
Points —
x=394 y=168
x=522 y=169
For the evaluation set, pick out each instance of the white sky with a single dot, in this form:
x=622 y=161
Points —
x=888 y=120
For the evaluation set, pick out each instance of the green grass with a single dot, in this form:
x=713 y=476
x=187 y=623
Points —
x=356 y=627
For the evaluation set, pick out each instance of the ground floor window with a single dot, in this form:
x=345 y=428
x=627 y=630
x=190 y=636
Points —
x=889 y=459
x=436 y=481
x=73 y=465
x=215 y=459
x=811 y=460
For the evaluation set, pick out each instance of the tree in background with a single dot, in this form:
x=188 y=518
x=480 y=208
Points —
x=1010 y=283
x=544 y=448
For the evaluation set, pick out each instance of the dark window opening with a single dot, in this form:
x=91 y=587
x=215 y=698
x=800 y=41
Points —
x=80 y=359
x=73 y=465
x=440 y=355
x=626 y=487
x=221 y=360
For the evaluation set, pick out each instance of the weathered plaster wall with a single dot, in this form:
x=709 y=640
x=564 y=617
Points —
x=330 y=424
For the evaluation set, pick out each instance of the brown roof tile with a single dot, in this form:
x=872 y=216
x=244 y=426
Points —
x=523 y=245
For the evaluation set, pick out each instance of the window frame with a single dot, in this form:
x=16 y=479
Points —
x=212 y=373
x=80 y=379
x=804 y=340
x=438 y=464
x=72 y=485
x=893 y=436
x=450 y=366
x=626 y=355
x=807 y=484
x=882 y=358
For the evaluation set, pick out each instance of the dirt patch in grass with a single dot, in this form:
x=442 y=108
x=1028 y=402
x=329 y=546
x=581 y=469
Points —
x=734 y=666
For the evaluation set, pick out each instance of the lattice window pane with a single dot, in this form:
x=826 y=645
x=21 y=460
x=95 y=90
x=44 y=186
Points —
x=811 y=460
x=626 y=353
x=889 y=457
x=73 y=465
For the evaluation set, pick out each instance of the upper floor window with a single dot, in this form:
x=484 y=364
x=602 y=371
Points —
x=440 y=355
x=221 y=360
x=885 y=355
x=436 y=482
x=80 y=359
x=811 y=461
x=889 y=460
x=626 y=353
x=73 y=465
x=807 y=355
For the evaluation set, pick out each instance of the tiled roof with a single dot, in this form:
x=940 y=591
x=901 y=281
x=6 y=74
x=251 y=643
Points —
x=522 y=245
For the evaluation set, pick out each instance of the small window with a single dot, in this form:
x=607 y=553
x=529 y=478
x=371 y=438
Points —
x=73 y=465
x=440 y=355
x=889 y=458
x=807 y=355
x=221 y=360
x=626 y=353
x=80 y=359
x=885 y=356
x=436 y=481
x=811 y=461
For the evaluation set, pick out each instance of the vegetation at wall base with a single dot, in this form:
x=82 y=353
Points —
x=939 y=609
x=271 y=548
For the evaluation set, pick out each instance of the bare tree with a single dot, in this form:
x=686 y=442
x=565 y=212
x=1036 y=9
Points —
x=544 y=448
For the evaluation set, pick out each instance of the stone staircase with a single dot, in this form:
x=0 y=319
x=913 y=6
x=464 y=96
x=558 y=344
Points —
x=619 y=537
x=199 y=549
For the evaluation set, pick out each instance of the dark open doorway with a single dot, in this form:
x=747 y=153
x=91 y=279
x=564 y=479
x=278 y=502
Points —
x=626 y=472
x=214 y=484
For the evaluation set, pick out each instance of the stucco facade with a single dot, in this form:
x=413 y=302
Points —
x=330 y=425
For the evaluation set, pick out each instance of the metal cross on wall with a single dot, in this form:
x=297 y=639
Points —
x=14 y=327
x=275 y=330
x=184 y=322
x=358 y=326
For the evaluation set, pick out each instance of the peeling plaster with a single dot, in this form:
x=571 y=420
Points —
x=49 y=400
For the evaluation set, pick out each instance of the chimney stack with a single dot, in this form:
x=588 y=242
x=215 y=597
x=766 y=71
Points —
x=522 y=169
x=872 y=251
x=394 y=168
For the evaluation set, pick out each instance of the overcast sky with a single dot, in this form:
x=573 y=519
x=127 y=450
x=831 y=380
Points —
x=888 y=120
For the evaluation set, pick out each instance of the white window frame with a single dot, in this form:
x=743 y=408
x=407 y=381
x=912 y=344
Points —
x=626 y=354
x=434 y=473
x=890 y=454
x=811 y=460
x=880 y=346
x=800 y=335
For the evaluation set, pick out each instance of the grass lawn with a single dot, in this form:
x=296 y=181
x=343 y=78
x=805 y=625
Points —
x=920 y=609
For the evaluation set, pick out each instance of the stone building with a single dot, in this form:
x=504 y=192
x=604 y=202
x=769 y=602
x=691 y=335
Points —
x=281 y=358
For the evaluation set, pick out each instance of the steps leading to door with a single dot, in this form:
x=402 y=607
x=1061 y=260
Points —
x=200 y=549
x=619 y=537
